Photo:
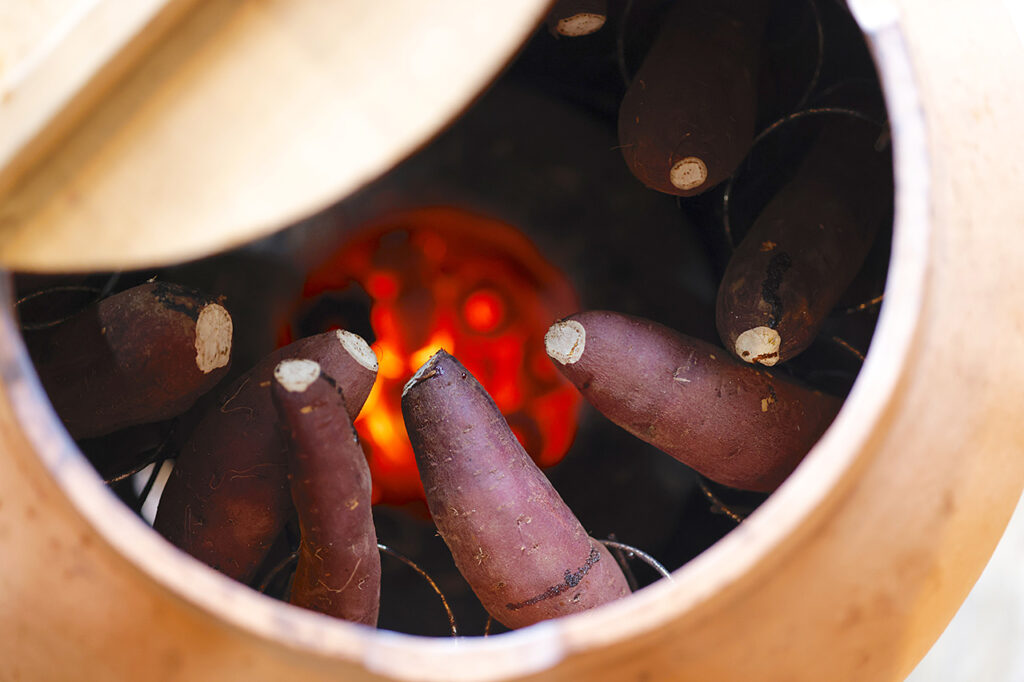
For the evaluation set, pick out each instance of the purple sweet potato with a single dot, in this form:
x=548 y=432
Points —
x=687 y=119
x=143 y=355
x=515 y=541
x=573 y=18
x=806 y=246
x=338 y=570
x=227 y=498
x=736 y=424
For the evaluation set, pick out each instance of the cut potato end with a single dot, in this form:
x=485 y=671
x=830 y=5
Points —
x=213 y=338
x=295 y=376
x=565 y=341
x=759 y=345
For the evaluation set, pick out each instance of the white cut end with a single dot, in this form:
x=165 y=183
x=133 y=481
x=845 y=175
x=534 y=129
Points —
x=358 y=349
x=760 y=344
x=580 y=24
x=565 y=340
x=296 y=375
x=690 y=173
x=425 y=371
x=213 y=338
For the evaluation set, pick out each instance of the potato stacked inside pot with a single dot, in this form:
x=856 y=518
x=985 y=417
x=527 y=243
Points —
x=269 y=465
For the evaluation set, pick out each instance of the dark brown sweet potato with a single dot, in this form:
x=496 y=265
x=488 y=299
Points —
x=227 y=498
x=519 y=547
x=140 y=356
x=807 y=245
x=338 y=571
x=735 y=424
x=688 y=117
x=573 y=18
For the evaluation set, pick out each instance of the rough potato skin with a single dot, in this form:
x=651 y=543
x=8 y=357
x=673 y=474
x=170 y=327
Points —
x=129 y=359
x=227 y=498
x=735 y=424
x=338 y=570
x=809 y=242
x=695 y=95
x=519 y=547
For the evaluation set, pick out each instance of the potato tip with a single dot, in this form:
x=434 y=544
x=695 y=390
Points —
x=295 y=376
x=213 y=338
x=357 y=347
x=689 y=173
x=565 y=341
x=760 y=344
x=426 y=370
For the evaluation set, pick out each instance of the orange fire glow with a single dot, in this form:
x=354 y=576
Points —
x=446 y=278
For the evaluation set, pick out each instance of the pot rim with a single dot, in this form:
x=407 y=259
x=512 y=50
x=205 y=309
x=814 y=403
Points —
x=829 y=468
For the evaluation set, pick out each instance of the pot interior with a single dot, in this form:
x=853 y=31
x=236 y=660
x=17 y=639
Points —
x=528 y=180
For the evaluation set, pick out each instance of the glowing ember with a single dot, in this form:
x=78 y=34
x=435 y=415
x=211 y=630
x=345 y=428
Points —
x=483 y=311
x=447 y=278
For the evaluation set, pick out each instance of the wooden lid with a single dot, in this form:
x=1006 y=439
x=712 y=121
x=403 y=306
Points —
x=145 y=132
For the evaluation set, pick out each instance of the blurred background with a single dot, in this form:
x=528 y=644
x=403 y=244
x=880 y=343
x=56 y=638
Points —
x=985 y=640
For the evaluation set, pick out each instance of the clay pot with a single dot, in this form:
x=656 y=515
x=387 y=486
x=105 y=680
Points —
x=848 y=572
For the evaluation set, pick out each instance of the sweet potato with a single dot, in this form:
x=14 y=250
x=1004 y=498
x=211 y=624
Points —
x=687 y=119
x=227 y=498
x=519 y=547
x=140 y=356
x=338 y=570
x=573 y=18
x=806 y=246
x=733 y=423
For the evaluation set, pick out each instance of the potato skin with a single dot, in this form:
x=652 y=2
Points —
x=129 y=359
x=695 y=95
x=227 y=498
x=515 y=541
x=733 y=423
x=808 y=244
x=338 y=570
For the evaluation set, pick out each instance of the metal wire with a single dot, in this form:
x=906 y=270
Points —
x=717 y=506
x=56 y=290
x=627 y=570
x=774 y=126
x=639 y=554
x=289 y=562
x=620 y=43
x=100 y=294
x=848 y=347
x=866 y=305
x=820 y=30
x=279 y=567
x=426 y=576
